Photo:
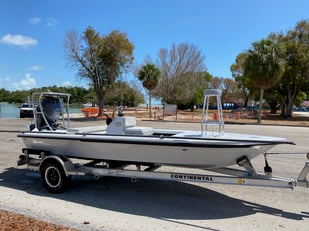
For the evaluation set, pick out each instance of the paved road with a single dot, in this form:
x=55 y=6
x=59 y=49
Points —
x=119 y=204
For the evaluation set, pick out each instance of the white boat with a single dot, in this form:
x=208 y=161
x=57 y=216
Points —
x=121 y=141
x=111 y=150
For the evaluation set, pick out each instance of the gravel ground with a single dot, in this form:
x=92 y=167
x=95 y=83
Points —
x=13 y=221
x=118 y=204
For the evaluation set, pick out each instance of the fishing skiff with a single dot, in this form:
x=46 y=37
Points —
x=121 y=142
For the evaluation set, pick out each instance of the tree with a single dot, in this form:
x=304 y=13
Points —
x=295 y=79
x=179 y=66
x=237 y=70
x=194 y=85
x=99 y=59
x=230 y=90
x=4 y=95
x=150 y=75
x=263 y=67
x=124 y=94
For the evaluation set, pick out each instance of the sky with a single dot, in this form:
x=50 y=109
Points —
x=32 y=32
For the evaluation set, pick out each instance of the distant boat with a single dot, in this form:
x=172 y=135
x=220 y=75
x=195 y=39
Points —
x=89 y=105
x=90 y=111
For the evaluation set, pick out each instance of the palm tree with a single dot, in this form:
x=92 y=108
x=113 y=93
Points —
x=263 y=67
x=149 y=74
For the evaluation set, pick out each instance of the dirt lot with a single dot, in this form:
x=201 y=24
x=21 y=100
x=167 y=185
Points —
x=118 y=204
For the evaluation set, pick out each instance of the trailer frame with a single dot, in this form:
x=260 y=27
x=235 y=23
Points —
x=57 y=169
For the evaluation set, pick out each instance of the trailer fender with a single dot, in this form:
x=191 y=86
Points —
x=65 y=163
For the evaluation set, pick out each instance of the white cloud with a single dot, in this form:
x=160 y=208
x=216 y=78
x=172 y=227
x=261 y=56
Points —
x=26 y=83
x=51 y=22
x=5 y=82
x=35 y=68
x=18 y=40
x=66 y=84
x=35 y=20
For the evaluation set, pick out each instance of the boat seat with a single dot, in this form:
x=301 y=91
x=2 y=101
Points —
x=144 y=131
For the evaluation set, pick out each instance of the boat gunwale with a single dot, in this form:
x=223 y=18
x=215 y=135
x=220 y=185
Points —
x=159 y=140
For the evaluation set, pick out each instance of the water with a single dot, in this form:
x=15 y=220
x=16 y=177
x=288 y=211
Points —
x=8 y=110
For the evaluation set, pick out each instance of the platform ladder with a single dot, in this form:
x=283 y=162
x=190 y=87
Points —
x=218 y=118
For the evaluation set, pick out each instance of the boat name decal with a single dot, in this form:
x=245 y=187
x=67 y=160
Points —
x=191 y=177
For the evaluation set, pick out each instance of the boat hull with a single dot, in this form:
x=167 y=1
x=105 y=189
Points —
x=193 y=151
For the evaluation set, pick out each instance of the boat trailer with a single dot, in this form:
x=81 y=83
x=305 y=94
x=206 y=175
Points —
x=56 y=171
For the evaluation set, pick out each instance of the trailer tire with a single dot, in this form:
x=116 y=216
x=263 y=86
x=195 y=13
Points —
x=53 y=177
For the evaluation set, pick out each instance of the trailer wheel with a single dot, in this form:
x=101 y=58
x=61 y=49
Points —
x=53 y=177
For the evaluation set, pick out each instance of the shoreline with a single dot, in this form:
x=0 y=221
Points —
x=300 y=119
